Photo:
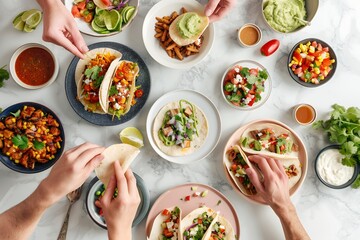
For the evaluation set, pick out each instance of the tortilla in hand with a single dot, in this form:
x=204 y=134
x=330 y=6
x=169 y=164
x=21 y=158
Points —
x=124 y=153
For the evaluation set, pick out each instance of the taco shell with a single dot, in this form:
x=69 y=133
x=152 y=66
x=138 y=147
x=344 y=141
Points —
x=228 y=234
x=175 y=150
x=184 y=22
x=124 y=153
x=157 y=229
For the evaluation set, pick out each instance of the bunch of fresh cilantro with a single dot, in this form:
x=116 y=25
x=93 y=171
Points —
x=4 y=75
x=343 y=128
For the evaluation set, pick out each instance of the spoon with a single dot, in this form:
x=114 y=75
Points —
x=72 y=197
x=307 y=23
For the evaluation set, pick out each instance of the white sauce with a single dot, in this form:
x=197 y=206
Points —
x=331 y=170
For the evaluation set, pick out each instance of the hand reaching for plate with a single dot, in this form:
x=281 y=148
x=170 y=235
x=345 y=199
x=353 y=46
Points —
x=60 y=27
x=217 y=9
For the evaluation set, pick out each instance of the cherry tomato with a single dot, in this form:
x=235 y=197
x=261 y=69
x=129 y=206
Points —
x=270 y=47
x=139 y=93
x=165 y=212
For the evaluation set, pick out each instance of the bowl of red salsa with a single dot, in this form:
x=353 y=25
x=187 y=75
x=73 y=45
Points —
x=33 y=66
x=246 y=85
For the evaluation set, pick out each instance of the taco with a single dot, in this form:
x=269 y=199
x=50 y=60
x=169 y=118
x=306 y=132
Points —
x=124 y=153
x=118 y=88
x=180 y=128
x=166 y=225
x=198 y=223
x=188 y=27
x=89 y=75
x=236 y=163
x=221 y=229
x=270 y=140
x=293 y=170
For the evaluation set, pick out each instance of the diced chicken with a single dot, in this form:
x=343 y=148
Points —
x=167 y=131
x=188 y=112
x=255 y=134
x=2 y=126
x=174 y=111
x=272 y=148
x=295 y=147
x=187 y=144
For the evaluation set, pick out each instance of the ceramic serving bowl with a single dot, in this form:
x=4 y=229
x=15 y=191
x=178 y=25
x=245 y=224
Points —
x=28 y=63
x=311 y=7
x=320 y=171
x=310 y=84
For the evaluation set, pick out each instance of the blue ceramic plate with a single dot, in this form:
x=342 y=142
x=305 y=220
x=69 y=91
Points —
x=39 y=167
x=143 y=80
x=92 y=210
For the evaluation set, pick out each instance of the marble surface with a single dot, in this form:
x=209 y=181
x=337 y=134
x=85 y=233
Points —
x=326 y=213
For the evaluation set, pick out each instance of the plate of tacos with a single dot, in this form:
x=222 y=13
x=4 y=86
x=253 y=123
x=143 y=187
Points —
x=178 y=126
x=269 y=138
x=110 y=86
x=185 y=212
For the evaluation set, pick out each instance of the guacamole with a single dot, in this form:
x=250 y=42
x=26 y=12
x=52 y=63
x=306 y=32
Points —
x=283 y=15
x=189 y=25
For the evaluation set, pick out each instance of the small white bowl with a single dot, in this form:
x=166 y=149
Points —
x=16 y=55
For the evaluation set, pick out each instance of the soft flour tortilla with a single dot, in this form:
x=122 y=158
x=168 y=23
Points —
x=278 y=130
x=124 y=153
x=229 y=230
x=79 y=75
x=156 y=230
x=178 y=39
x=293 y=179
x=187 y=221
x=107 y=82
x=176 y=150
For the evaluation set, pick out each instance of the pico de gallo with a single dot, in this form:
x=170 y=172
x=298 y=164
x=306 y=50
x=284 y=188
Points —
x=170 y=225
x=311 y=62
x=218 y=232
x=243 y=86
x=238 y=166
x=199 y=226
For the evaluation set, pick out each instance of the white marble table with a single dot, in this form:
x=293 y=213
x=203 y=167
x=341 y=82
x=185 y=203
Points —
x=325 y=213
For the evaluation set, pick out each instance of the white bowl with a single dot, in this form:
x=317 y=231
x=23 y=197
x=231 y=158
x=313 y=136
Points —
x=16 y=55
x=165 y=8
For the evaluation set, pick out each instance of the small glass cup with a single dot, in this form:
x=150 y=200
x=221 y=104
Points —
x=304 y=114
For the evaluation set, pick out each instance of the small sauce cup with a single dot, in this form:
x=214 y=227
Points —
x=249 y=35
x=304 y=114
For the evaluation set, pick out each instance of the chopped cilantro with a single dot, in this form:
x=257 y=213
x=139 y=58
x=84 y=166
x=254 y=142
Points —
x=38 y=145
x=93 y=73
x=244 y=72
x=20 y=141
x=4 y=75
x=98 y=81
x=113 y=91
x=263 y=74
x=218 y=203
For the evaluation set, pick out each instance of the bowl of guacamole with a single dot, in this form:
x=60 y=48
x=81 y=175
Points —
x=287 y=16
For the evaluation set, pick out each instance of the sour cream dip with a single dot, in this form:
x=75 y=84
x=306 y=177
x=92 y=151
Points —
x=330 y=168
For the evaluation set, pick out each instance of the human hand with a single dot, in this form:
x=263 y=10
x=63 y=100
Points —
x=71 y=170
x=274 y=188
x=60 y=27
x=120 y=212
x=217 y=9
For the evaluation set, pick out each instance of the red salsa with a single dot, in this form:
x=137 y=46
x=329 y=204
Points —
x=34 y=66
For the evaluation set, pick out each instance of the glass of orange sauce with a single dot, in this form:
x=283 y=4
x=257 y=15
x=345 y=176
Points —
x=249 y=35
x=304 y=114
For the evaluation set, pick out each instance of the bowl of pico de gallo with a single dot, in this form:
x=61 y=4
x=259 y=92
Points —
x=246 y=85
x=312 y=62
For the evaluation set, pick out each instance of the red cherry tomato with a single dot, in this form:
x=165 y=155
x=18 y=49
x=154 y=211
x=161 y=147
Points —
x=270 y=47
x=139 y=93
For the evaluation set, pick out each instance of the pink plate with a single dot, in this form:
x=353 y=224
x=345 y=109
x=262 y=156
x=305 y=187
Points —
x=174 y=197
x=234 y=139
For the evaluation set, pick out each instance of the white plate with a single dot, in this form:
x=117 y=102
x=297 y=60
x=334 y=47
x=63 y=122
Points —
x=212 y=116
x=165 y=8
x=85 y=27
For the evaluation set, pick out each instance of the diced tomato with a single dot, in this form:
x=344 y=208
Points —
x=200 y=220
x=94 y=98
x=234 y=167
x=88 y=17
x=81 y=5
x=139 y=93
x=87 y=88
x=165 y=212
x=314 y=44
x=75 y=11
x=327 y=62
x=326 y=49
x=254 y=71
x=187 y=198
x=251 y=102
x=167 y=233
x=298 y=70
x=297 y=56
x=230 y=75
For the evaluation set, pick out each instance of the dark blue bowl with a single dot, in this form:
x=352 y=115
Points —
x=348 y=183
x=39 y=167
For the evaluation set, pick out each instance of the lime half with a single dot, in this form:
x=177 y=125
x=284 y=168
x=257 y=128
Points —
x=132 y=136
x=27 y=14
x=34 y=19
x=100 y=17
x=112 y=19
x=97 y=28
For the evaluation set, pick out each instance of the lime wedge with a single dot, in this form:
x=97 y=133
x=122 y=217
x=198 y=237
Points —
x=28 y=29
x=18 y=16
x=18 y=23
x=112 y=19
x=100 y=17
x=97 y=28
x=129 y=13
x=34 y=19
x=28 y=14
x=132 y=136
x=119 y=26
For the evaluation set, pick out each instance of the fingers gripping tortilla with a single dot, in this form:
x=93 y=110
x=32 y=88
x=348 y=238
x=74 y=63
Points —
x=167 y=225
x=124 y=153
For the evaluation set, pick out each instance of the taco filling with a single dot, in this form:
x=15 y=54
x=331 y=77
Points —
x=218 y=231
x=198 y=227
x=170 y=226
x=92 y=78
x=179 y=126
x=266 y=139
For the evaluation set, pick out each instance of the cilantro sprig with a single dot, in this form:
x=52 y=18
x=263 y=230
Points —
x=38 y=145
x=343 y=127
x=20 y=141
x=4 y=75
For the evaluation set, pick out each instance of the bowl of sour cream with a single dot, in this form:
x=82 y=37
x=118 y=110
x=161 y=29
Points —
x=330 y=170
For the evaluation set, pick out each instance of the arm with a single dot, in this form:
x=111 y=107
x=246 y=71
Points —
x=217 y=9
x=120 y=212
x=76 y=164
x=274 y=190
x=60 y=27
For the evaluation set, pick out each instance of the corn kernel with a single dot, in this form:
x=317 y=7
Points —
x=322 y=77
x=311 y=49
x=58 y=145
x=47 y=130
x=13 y=120
x=308 y=44
x=7 y=153
x=17 y=161
x=48 y=149
x=37 y=156
x=318 y=63
x=317 y=70
x=44 y=141
x=1 y=135
x=333 y=60
x=42 y=114
x=39 y=130
x=52 y=156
